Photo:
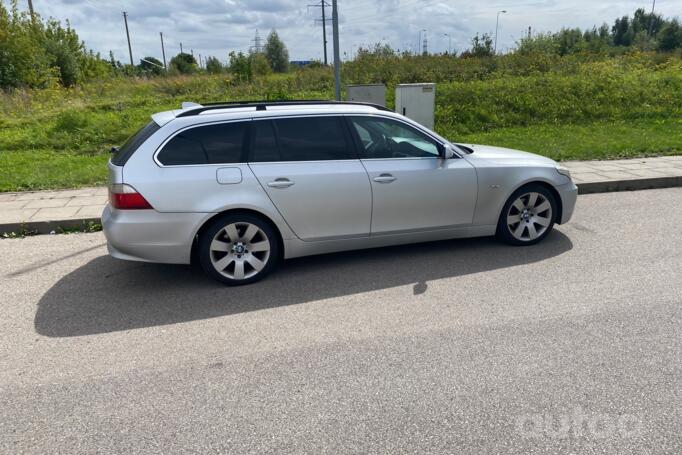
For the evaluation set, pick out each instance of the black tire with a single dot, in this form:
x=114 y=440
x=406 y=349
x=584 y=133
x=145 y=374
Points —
x=217 y=230
x=505 y=232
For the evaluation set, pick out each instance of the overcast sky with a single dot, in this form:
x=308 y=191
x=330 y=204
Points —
x=215 y=27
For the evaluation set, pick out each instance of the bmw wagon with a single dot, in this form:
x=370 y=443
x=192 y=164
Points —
x=240 y=186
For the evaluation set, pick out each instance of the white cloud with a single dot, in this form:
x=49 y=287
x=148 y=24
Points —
x=215 y=27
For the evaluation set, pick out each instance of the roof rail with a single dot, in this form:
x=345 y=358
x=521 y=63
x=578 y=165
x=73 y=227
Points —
x=262 y=105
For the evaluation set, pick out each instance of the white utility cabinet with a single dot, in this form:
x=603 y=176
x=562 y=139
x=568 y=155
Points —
x=370 y=93
x=417 y=102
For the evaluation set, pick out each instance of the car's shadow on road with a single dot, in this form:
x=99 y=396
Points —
x=107 y=295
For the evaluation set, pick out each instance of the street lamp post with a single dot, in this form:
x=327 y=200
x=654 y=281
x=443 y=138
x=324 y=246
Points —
x=449 y=42
x=497 y=24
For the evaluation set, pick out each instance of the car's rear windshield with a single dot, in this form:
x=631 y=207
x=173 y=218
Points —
x=131 y=144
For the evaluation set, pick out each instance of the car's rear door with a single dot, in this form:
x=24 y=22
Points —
x=310 y=171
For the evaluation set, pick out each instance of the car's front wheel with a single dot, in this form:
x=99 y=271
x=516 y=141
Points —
x=238 y=249
x=528 y=215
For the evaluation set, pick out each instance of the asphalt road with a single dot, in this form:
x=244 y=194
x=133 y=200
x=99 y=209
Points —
x=573 y=345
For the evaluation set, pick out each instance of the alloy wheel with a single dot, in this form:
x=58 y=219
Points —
x=240 y=251
x=529 y=216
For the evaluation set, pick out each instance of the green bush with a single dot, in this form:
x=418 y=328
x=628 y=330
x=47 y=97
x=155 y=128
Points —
x=71 y=121
x=38 y=54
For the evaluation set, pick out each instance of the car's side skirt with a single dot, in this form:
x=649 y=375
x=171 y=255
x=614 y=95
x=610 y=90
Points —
x=296 y=248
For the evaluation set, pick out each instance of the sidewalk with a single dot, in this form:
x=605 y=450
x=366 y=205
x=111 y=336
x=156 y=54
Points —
x=47 y=211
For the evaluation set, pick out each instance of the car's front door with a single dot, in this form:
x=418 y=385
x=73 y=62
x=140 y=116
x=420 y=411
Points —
x=413 y=187
x=310 y=171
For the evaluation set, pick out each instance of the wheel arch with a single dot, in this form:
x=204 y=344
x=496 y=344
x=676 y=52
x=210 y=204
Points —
x=550 y=188
x=252 y=212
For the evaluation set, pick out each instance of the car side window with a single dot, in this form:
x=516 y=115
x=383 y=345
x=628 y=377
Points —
x=264 y=142
x=386 y=138
x=221 y=143
x=319 y=138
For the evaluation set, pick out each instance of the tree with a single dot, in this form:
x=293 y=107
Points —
x=481 y=46
x=184 y=63
x=570 y=40
x=539 y=43
x=670 y=36
x=259 y=65
x=240 y=66
x=643 y=22
x=151 y=66
x=622 y=32
x=276 y=53
x=213 y=65
x=37 y=53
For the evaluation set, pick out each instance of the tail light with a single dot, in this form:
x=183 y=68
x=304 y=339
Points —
x=125 y=197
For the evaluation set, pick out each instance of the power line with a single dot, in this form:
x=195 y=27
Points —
x=324 y=21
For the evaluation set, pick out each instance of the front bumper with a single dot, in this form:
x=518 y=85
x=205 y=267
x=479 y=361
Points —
x=569 y=196
x=151 y=236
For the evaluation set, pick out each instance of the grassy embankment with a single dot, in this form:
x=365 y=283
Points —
x=564 y=108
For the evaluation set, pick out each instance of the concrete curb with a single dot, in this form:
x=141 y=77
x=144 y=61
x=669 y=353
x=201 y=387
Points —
x=629 y=185
x=46 y=227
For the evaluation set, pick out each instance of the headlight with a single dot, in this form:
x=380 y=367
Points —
x=563 y=171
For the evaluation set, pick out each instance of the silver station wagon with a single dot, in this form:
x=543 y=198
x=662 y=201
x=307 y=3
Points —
x=241 y=186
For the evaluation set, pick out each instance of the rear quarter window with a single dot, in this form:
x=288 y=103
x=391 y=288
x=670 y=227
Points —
x=134 y=142
x=222 y=143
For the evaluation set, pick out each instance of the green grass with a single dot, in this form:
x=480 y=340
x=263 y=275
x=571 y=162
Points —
x=569 y=109
x=595 y=141
x=45 y=169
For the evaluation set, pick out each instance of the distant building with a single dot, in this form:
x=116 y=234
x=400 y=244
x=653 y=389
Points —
x=300 y=62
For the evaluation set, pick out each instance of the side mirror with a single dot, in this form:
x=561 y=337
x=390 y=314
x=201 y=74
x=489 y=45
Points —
x=448 y=152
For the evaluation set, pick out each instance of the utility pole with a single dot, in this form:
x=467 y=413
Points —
x=497 y=24
x=529 y=31
x=337 y=57
x=163 y=52
x=130 y=49
x=651 y=18
x=324 y=21
x=425 y=47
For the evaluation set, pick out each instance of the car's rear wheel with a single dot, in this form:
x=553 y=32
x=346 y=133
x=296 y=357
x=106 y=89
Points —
x=238 y=249
x=528 y=215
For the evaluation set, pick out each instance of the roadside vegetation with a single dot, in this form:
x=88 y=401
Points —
x=606 y=93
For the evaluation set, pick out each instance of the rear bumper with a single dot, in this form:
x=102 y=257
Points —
x=150 y=236
x=569 y=196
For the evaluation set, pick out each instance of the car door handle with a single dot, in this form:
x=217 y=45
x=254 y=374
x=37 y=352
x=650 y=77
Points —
x=280 y=183
x=385 y=178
